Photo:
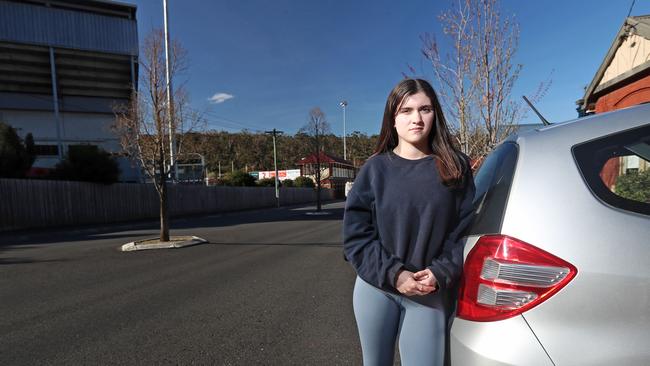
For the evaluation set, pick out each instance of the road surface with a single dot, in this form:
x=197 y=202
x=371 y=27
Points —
x=271 y=288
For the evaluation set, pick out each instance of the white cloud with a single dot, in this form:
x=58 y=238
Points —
x=220 y=98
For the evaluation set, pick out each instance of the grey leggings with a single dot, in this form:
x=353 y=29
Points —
x=382 y=317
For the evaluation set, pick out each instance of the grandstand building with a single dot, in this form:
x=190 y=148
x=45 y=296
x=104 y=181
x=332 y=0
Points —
x=64 y=65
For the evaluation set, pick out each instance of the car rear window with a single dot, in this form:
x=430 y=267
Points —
x=616 y=168
x=493 y=181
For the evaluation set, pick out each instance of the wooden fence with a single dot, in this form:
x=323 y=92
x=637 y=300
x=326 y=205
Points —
x=41 y=203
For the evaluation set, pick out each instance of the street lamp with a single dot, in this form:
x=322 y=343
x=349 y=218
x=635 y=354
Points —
x=344 y=104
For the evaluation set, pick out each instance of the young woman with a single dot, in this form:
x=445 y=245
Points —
x=403 y=222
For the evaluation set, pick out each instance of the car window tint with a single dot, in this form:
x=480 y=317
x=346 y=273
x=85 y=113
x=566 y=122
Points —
x=617 y=169
x=493 y=181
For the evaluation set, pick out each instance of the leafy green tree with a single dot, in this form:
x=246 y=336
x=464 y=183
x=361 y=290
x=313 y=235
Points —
x=87 y=163
x=255 y=150
x=634 y=186
x=360 y=147
x=293 y=148
x=332 y=144
x=304 y=182
x=15 y=157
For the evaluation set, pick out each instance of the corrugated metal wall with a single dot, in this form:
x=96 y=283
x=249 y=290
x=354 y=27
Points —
x=36 y=24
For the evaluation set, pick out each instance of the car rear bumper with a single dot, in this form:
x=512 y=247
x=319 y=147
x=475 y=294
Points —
x=499 y=343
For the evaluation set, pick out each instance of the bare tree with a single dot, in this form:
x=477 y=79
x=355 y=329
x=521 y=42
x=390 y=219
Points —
x=496 y=41
x=476 y=77
x=453 y=70
x=143 y=125
x=316 y=127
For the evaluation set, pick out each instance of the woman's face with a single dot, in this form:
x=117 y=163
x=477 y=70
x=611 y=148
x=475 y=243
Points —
x=414 y=120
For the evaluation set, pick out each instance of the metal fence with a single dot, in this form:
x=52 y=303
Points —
x=40 y=203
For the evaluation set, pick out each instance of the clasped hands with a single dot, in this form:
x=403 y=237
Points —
x=416 y=283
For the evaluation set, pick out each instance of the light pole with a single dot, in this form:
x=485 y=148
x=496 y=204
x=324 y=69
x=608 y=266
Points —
x=173 y=172
x=344 y=104
x=275 y=164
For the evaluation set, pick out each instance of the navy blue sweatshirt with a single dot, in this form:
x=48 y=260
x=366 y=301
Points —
x=399 y=215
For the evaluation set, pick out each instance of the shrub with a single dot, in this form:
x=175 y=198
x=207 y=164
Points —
x=220 y=181
x=634 y=186
x=239 y=179
x=87 y=163
x=266 y=182
x=15 y=157
x=287 y=183
x=304 y=182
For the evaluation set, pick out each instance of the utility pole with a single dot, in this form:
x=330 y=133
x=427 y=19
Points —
x=173 y=172
x=275 y=164
x=344 y=104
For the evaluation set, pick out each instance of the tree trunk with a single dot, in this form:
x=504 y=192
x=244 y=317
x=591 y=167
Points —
x=164 y=219
x=318 y=205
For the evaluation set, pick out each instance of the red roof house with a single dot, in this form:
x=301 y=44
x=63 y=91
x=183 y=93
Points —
x=335 y=171
x=622 y=80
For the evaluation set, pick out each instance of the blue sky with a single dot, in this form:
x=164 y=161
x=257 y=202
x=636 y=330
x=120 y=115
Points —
x=278 y=59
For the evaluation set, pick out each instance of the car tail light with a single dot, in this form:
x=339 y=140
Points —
x=504 y=277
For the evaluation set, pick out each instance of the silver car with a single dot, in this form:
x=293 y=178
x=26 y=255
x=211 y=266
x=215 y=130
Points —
x=557 y=262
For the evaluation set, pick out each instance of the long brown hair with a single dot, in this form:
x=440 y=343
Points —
x=449 y=161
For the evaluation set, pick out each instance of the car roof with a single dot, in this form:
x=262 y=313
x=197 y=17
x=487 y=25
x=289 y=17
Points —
x=590 y=127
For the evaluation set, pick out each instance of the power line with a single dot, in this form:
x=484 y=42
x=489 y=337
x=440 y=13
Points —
x=248 y=125
x=631 y=7
x=234 y=128
x=229 y=125
x=222 y=128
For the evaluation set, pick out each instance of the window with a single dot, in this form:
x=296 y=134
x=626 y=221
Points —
x=493 y=181
x=83 y=149
x=46 y=150
x=617 y=169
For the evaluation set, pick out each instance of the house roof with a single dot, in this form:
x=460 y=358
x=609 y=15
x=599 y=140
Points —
x=633 y=26
x=324 y=158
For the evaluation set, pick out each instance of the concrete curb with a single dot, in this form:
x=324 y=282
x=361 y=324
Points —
x=174 y=242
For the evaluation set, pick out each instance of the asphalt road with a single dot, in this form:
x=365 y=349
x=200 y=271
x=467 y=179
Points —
x=271 y=288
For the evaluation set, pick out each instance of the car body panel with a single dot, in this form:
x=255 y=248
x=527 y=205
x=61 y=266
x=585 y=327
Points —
x=482 y=344
x=602 y=316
